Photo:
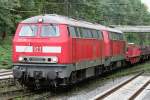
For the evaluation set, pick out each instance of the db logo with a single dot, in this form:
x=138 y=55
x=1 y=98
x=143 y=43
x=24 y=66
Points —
x=37 y=49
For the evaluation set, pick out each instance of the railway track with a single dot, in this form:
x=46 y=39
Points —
x=14 y=94
x=6 y=74
x=39 y=95
x=127 y=90
x=110 y=94
x=9 y=90
x=20 y=95
x=6 y=78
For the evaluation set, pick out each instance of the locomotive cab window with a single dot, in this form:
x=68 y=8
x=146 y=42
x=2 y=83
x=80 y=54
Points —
x=28 y=30
x=49 y=31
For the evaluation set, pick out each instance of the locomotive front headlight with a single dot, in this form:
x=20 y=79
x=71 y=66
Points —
x=20 y=58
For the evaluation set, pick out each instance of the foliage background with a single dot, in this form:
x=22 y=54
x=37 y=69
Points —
x=106 y=12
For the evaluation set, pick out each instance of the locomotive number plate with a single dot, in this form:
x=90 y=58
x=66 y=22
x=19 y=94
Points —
x=37 y=49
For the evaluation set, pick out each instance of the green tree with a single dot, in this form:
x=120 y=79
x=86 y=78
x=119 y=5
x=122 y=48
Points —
x=7 y=17
x=106 y=12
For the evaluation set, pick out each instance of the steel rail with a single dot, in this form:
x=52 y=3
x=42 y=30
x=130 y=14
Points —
x=10 y=92
x=28 y=93
x=5 y=71
x=6 y=74
x=21 y=95
x=139 y=91
x=117 y=87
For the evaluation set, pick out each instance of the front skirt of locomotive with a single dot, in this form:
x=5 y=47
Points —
x=42 y=71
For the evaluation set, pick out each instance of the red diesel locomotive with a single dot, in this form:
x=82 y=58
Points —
x=133 y=54
x=57 y=50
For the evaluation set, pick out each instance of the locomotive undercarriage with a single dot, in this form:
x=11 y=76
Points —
x=145 y=57
x=40 y=75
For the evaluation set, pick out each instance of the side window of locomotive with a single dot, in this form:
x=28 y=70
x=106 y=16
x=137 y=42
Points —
x=118 y=36
x=28 y=30
x=81 y=32
x=121 y=37
x=110 y=36
x=77 y=31
x=114 y=36
x=100 y=35
x=72 y=31
x=85 y=33
x=49 y=31
x=95 y=34
x=90 y=33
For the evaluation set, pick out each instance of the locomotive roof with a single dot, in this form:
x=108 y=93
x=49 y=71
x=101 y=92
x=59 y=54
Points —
x=58 y=19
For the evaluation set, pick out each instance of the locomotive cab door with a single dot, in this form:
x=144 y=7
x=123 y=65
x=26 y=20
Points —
x=107 y=48
x=72 y=34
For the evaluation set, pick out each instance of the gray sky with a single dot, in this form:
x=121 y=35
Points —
x=147 y=3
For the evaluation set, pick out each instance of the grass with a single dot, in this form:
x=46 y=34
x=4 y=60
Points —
x=5 y=53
